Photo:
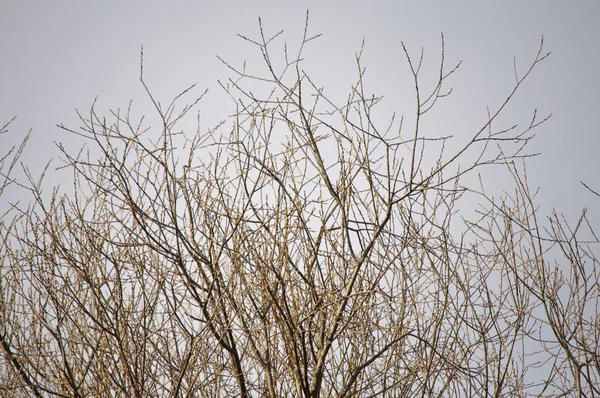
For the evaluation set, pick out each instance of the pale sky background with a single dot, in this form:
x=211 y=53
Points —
x=56 y=56
x=59 y=55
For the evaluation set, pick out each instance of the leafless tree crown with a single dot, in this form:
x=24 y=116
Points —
x=300 y=248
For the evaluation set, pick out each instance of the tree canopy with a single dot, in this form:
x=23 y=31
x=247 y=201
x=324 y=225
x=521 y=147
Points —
x=299 y=248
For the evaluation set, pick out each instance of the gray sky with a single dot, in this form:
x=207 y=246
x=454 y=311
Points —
x=57 y=56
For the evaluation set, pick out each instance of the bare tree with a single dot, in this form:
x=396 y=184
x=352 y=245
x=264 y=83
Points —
x=297 y=249
x=8 y=162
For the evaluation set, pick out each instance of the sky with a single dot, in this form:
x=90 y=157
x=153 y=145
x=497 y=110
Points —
x=59 y=56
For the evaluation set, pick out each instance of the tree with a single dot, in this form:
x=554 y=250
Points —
x=251 y=261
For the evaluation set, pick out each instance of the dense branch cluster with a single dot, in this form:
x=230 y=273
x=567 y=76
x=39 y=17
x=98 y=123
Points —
x=297 y=249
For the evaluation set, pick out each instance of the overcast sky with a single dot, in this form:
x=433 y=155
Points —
x=56 y=56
